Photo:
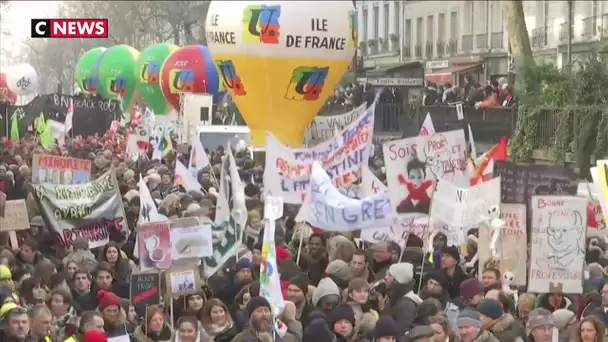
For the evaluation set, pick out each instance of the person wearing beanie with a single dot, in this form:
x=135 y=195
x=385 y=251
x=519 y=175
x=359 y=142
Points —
x=260 y=326
x=339 y=272
x=94 y=336
x=420 y=333
x=565 y=322
x=471 y=329
x=386 y=330
x=502 y=325
x=318 y=331
x=242 y=276
x=326 y=296
x=297 y=292
x=113 y=315
x=540 y=324
x=471 y=292
x=342 y=321
x=453 y=273
x=403 y=301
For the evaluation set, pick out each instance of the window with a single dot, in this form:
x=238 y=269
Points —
x=365 y=33
x=430 y=28
x=386 y=21
x=419 y=25
x=454 y=24
x=376 y=20
x=408 y=32
x=441 y=27
x=397 y=16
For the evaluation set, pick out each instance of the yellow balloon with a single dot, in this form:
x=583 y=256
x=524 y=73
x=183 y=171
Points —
x=280 y=60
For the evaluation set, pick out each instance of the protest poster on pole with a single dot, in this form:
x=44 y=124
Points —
x=60 y=170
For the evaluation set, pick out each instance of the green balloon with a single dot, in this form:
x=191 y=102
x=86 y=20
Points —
x=147 y=74
x=116 y=74
x=85 y=70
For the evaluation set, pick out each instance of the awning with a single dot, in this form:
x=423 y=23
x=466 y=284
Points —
x=445 y=75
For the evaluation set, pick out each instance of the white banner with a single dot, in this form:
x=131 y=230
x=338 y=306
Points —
x=325 y=207
x=414 y=164
x=558 y=244
x=322 y=128
x=464 y=207
x=287 y=172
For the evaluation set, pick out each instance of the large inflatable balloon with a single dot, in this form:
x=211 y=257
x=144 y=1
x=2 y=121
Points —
x=281 y=60
x=86 y=77
x=189 y=69
x=22 y=79
x=6 y=95
x=148 y=76
x=115 y=72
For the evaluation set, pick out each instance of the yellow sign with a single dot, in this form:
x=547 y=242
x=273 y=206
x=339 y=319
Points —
x=602 y=169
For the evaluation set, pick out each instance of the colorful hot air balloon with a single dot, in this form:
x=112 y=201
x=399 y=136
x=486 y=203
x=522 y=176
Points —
x=85 y=70
x=189 y=69
x=115 y=71
x=148 y=76
x=281 y=61
x=5 y=93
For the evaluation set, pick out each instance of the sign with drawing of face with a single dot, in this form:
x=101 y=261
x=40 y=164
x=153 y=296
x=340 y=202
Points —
x=138 y=141
x=559 y=224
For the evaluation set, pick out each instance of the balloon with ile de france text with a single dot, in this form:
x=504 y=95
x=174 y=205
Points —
x=115 y=70
x=280 y=60
x=6 y=95
x=148 y=76
x=189 y=69
x=22 y=79
x=85 y=70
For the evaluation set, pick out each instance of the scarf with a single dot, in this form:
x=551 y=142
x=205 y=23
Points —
x=216 y=329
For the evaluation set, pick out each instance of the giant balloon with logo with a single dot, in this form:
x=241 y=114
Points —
x=22 y=79
x=148 y=76
x=6 y=95
x=85 y=70
x=115 y=70
x=281 y=60
x=189 y=69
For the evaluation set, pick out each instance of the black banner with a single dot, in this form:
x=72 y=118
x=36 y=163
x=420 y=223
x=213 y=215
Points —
x=145 y=291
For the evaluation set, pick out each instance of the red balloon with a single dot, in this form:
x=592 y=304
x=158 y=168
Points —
x=5 y=93
x=189 y=69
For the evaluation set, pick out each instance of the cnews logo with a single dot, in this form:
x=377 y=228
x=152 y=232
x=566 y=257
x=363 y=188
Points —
x=69 y=28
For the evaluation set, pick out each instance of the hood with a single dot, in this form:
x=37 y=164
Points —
x=503 y=324
x=411 y=295
x=325 y=288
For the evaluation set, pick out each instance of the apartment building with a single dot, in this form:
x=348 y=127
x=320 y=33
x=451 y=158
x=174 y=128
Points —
x=455 y=38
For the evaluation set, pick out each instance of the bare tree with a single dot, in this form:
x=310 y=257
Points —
x=519 y=39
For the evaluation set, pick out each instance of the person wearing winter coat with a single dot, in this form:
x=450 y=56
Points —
x=260 y=326
x=565 y=322
x=155 y=329
x=81 y=255
x=471 y=329
x=326 y=296
x=402 y=301
x=217 y=322
x=190 y=330
x=540 y=324
x=502 y=325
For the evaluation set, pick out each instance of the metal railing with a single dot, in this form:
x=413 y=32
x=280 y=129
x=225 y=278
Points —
x=539 y=37
x=418 y=50
x=467 y=43
x=428 y=49
x=453 y=47
x=563 y=32
x=589 y=27
x=440 y=49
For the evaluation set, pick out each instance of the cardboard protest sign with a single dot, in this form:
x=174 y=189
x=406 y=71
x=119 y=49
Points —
x=15 y=216
x=183 y=280
x=557 y=244
x=60 y=170
x=144 y=291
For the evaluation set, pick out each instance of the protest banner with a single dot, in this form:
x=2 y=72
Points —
x=557 y=244
x=60 y=170
x=325 y=207
x=322 y=128
x=466 y=206
x=93 y=210
x=413 y=165
x=144 y=290
x=288 y=170
x=15 y=216
x=511 y=245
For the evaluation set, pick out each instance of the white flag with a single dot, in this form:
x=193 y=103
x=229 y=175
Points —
x=427 y=126
x=198 y=157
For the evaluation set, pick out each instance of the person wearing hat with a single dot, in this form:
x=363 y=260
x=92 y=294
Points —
x=450 y=257
x=342 y=321
x=82 y=255
x=540 y=325
x=386 y=330
x=401 y=297
x=260 y=323
x=113 y=315
x=471 y=293
x=502 y=325
x=471 y=329
x=420 y=333
x=318 y=331
x=242 y=276
x=297 y=292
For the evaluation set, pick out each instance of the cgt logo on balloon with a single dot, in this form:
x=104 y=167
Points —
x=181 y=81
x=117 y=86
x=230 y=78
x=261 y=24
x=150 y=72
x=306 y=83
x=88 y=84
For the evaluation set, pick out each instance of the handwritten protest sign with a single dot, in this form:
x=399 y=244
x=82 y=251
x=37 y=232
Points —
x=511 y=245
x=322 y=128
x=60 y=170
x=557 y=244
x=15 y=216
x=414 y=164
x=325 y=207
x=287 y=171
x=145 y=291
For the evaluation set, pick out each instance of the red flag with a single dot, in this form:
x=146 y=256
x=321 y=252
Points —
x=485 y=167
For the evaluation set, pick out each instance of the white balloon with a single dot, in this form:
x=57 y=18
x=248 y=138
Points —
x=22 y=79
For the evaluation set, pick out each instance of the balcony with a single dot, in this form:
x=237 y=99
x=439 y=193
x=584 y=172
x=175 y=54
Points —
x=453 y=47
x=481 y=41
x=589 y=27
x=563 y=32
x=394 y=41
x=539 y=37
x=407 y=52
x=418 y=51
x=496 y=40
x=428 y=49
x=467 y=43
x=440 y=49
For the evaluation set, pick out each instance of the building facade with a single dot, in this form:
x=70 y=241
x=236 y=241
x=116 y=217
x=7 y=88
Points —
x=454 y=38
